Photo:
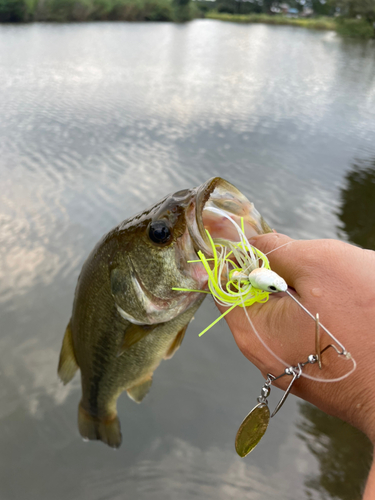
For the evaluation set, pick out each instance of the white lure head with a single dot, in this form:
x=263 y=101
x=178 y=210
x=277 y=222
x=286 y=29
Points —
x=267 y=280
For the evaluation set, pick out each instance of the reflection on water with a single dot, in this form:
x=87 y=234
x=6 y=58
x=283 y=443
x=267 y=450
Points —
x=99 y=121
x=343 y=452
x=357 y=210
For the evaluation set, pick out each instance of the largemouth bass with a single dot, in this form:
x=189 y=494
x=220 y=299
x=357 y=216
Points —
x=126 y=317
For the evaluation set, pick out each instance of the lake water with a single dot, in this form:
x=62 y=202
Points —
x=98 y=121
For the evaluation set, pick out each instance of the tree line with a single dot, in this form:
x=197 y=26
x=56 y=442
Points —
x=344 y=8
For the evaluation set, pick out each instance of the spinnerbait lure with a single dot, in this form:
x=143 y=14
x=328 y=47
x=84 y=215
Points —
x=240 y=275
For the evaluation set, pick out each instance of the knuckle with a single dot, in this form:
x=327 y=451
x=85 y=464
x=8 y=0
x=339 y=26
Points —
x=267 y=242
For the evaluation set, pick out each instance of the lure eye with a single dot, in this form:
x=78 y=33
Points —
x=273 y=288
x=159 y=232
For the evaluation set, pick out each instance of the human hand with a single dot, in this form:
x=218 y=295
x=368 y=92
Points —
x=331 y=278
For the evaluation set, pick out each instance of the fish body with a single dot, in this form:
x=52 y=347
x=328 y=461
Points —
x=126 y=316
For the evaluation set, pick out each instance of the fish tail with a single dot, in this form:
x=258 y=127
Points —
x=105 y=429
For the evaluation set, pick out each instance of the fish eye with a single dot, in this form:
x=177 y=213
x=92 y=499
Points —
x=159 y=232
x=273 y=288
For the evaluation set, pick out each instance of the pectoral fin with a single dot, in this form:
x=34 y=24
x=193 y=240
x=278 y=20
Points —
x=133 y=334
x=67 y=363
x=176 y=343
x=138 y=392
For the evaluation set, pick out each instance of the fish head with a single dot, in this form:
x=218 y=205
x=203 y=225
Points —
x=159 y=249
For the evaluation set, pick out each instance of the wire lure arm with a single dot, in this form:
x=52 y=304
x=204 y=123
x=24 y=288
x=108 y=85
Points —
x=294 y=371
x=343 y=352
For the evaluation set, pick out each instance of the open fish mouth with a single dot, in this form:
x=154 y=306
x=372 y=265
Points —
x=206 y=214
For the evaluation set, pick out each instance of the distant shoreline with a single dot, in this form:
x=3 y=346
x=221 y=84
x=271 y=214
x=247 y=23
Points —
x=65 y=11
x=320 y=23
x=352 y=28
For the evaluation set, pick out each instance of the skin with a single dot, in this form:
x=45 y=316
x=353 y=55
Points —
x=335 y=279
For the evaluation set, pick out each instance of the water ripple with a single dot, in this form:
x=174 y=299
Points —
x=100 y=120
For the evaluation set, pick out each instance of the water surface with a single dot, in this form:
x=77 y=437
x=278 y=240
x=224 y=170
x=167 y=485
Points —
x=97 y=122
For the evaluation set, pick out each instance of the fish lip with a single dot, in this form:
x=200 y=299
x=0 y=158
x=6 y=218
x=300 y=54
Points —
x=220 y=196
x=195 y=213
x=194 y=216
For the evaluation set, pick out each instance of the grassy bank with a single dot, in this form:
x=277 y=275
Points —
x=322 y=23
x=96 y=10
x=354 y=28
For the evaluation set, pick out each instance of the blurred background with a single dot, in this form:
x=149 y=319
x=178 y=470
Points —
x=97 y=122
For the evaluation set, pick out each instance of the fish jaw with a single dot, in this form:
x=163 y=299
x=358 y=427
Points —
x=144 y=282
x=218 y=193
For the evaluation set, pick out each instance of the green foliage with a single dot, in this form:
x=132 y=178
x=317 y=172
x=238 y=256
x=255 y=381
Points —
x=323 y=9
x=353 y=8
x=255 y=11
x=158 y=10
x=354 y=28
x=226 y=7
x=358 y=28
x=140 y=10
x=239 y=7
x=181 y=13
x=267 y=4
x=357 y=210
x=204 y=6
x=65 y=10
x=13 y=11
x=324 y=23
x=101 y=10
x=97 y=10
